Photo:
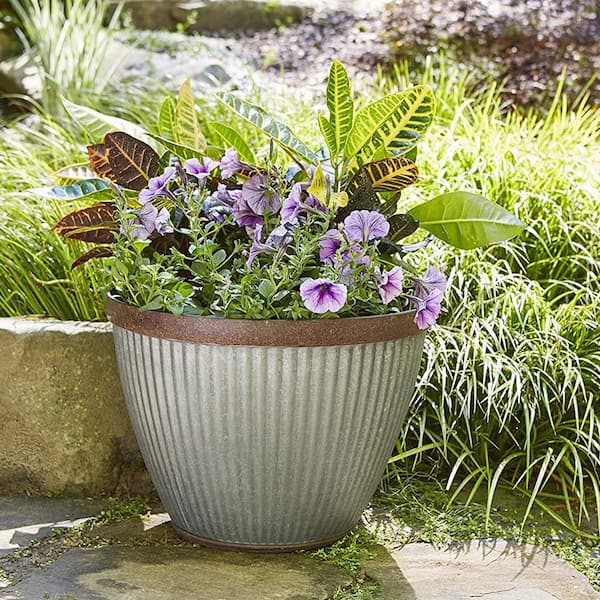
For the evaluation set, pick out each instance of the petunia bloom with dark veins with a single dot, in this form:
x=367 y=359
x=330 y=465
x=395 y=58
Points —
x=389 y=284
x=323 y=295
x=149 y=220
x=259 y=195
x=329 y=244
x=157 y=186
x=244 y=216
x=200 y=170
x=365 y=225
x=428 y=305
x=221 y=203
x=299 y=203
x=230 y=163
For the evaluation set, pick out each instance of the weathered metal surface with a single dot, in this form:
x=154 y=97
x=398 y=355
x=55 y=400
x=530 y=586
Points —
x=264 y=445
x=245 y=332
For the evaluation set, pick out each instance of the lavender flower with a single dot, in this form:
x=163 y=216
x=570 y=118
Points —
x=429 y=307
x=157 y=186
x=389 y=284
x=259 y=195
x=329 y=245
x=221 y=202
x=322 y=295
x=244 y=216
x=365 y=225
x=148 y=220
x=200 y=170
x=432 y=279
x=291 y=205
x=161 y=222
x=294 y=205
x=230 y=163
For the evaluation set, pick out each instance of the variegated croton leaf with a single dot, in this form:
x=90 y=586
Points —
x=125 y=160
x=96 y=252
x=94 y=224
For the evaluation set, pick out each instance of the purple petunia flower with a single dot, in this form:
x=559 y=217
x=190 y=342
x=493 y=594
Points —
x=244 y=216
x=322 y=295
x=365 y=225
x=148 y=220
x=230 y=163
x=200 y=170
x=291 y=205
x=429 y=307
x=161 y=222
x=259 y=195
x=157 y=186
x=432 y=279
x=295 y=205
x=329 y=245
x=389 y=284
x=221 y=203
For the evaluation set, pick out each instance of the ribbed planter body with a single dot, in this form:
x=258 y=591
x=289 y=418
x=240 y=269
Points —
x=270 y=435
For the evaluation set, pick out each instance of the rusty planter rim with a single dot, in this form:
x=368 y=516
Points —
x=268 y=332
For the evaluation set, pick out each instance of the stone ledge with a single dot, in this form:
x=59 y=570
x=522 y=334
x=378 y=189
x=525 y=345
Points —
x=64 y=426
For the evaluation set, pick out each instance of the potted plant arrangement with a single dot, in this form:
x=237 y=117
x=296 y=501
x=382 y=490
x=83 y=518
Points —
x=268 y=315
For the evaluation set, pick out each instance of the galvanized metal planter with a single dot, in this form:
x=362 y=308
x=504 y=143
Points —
x=265 y=435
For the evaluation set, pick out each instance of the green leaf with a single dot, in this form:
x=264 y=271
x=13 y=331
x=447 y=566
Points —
x=178 y=150
x=187 y=124
x=393 y=123
x=466 y=220
x=86 y=189
x=233 y=139
x=278 y=131
x=73 y=173
x=341 y=107
x=328 y=134
x=167 y=118
x=97 y=124
x=266 y=288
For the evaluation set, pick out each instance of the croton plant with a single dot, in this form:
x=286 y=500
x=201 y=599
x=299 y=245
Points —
x=197 y=228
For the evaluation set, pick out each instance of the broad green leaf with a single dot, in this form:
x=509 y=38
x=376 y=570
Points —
x=167 y=118
x=97 y=124
x=318 y=187
x=466 y=220
x=279 y=132
x=328 y=134
x=394 y=123
x=340 y=105
x=86 y=189
x=233 y=139
x=72 y=173
x=187 y=124
x=183 y=152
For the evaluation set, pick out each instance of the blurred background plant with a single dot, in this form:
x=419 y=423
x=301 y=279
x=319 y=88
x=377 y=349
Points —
x=70 y=44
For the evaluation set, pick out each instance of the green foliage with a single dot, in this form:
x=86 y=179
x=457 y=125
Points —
x=349 y=552
x=71 y=43
x=232 y=139
x=466 y=220
x=341 y=111
x=86 y=189
x=276 y=130
x=509 y=390
x=35 y=278
x=395 y=122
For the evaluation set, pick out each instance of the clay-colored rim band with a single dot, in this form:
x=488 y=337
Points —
x=246 y=332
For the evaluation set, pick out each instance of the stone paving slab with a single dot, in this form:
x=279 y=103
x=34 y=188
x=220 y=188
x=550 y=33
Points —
x=23 y=519
x=145 y=560
x=490 y=569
